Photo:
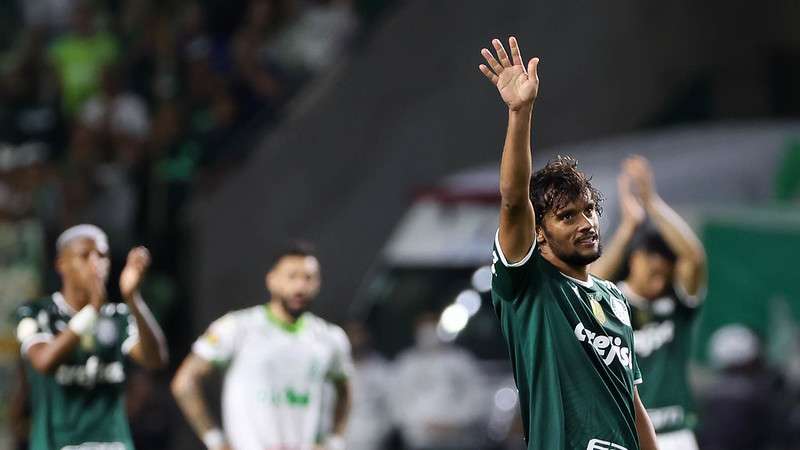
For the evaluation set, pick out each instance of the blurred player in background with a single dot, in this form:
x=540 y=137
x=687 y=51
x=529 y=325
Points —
x=665 y=284
x=568 y=333
x=277 y=358
x=75 y=344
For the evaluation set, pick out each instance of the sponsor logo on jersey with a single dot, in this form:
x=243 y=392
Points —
x=91 y=373
x=608 y=347
x=495 y=258
x=668 y=416
x=96 y=446
x=652 y=337
x=599 y=444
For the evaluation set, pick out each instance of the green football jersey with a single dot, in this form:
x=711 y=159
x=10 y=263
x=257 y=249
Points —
x=570 y=346
x=663 y=333
x=81 y=406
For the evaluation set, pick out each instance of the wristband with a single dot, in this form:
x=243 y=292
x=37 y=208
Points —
x=335 y=442
x=214 y=439
x=83 y=322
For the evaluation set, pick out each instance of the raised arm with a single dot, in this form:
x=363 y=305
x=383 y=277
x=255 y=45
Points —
x=518 y=88
x=632 y=215
x=187 y=388
x=45 y=351
x=690 y=268
x=151 y=350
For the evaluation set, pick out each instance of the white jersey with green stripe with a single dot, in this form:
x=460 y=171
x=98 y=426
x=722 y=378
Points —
x=272 y=397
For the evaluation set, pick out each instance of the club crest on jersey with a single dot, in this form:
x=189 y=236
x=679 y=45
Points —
x=620 y=310
x=597 y=310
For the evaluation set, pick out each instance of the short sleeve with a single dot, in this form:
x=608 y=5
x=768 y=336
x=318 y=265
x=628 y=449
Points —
x=342 y=364
x=32 y=328
x=637 y=373
x=509 y=279
x=218 y=343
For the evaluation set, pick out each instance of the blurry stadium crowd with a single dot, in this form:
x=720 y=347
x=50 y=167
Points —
x=114 y=112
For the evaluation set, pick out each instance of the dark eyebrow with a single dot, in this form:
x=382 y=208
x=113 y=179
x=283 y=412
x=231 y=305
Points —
x=565 y=211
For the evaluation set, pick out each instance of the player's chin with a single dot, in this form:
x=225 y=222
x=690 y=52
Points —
x=587 y=255
x=297 y=306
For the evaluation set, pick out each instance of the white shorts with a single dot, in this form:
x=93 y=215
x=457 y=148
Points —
x=677 y=440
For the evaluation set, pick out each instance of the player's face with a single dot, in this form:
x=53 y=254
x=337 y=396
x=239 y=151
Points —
x=295 y=281
x=651 y=273
x=80 y=263
x=572 y=232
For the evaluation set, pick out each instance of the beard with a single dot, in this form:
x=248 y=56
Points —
x=572 y=257
x=293 y=308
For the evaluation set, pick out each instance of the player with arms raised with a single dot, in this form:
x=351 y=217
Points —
x=75 y=347
x=665 y=285
x=568 y=333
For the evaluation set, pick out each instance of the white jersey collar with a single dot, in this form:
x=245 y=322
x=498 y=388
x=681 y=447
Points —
x=587 y=284
x=62 y=304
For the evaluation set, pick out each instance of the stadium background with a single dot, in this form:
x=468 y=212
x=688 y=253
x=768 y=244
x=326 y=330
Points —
x=357 y=107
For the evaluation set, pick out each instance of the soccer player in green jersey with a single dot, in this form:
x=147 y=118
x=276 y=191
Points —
x=568 y=333
x=665 y=284
x=75 y=347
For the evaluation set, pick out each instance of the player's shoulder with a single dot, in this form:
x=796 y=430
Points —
x=244 y=316
x=610 y=287
x=32 y=308
x=319 y=324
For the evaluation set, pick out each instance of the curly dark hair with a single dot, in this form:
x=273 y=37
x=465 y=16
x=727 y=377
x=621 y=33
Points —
x=558 y=183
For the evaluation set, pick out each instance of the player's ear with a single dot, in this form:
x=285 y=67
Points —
x=540 y=237
x=59 y=264
x=268 y=279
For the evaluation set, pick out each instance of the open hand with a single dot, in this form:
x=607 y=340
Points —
x=631 y=208
x=97 y=291
x=641 y=175
x=133 y=273
x=518 y=87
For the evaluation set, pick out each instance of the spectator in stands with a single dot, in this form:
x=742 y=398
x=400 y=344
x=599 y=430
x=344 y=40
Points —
x=29 y=98
x=251 y=67
x=49 y=15
x=370 y=420
x=317 y=38
x=742 y=409
x=79 y=57
x=437 y=392
x=118 y=117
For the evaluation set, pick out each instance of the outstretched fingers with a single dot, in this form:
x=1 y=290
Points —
x=501 y=53
x=493 y=64
x=488 y=73
x=516 y=55
x=533 y=68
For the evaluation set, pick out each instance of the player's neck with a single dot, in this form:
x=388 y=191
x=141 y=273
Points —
x=75 y=297
x=579 y=272
x=280 y=312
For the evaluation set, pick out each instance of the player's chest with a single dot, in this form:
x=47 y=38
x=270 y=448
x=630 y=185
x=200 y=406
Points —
x=600 y=325
x=286 y=355
x=103 y=343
